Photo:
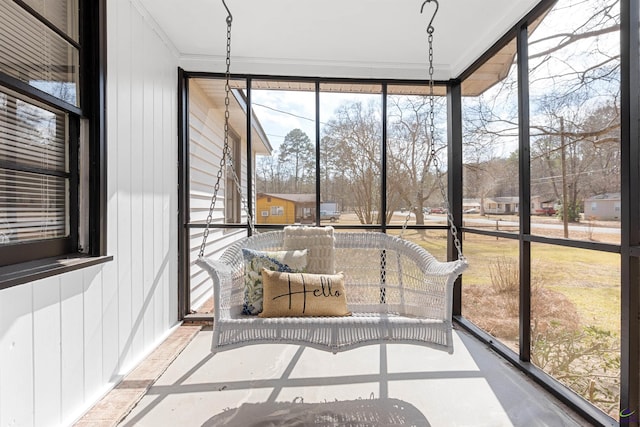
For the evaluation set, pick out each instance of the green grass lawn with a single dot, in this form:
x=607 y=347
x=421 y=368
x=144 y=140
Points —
x=597 y=306
x=590 y=279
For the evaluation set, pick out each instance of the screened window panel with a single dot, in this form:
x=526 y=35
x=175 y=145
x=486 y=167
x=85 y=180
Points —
x=31 y=136
x=32 y=206
x=34 y=171
x=350 y=150
x=61 y=13
x=35 y=54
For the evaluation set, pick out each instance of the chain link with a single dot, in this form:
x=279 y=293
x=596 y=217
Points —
x=431 y=116
x=226 y=152
x=406 y=222
x=243 y=201
x=434 y=157
x=432 y=131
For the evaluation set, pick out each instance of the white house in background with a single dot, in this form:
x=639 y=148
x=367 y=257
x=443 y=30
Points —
x=509 y=205
x=603 y=206
x=501 y=205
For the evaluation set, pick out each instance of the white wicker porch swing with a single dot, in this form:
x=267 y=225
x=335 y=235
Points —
x=387 y=290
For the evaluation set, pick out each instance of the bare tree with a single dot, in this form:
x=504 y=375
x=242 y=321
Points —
x=269 y=176
x=353 y=139
x=411 y=178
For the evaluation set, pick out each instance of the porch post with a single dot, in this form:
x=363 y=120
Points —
x=184 y=294
x=454 y=175
x=524 y=169
x=630 y=213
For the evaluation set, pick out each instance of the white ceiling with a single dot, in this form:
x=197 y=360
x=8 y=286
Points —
x=334 y=38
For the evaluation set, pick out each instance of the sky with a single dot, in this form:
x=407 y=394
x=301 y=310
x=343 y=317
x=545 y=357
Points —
x=279 y=112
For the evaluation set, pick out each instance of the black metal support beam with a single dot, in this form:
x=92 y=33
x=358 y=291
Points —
x=93 y=57
x=184 y=255
x=383 y=177
x=454 y=174
x=630 y=214
x=249 y=155
x=318 y=152
x=524 y=173
x=75 y=182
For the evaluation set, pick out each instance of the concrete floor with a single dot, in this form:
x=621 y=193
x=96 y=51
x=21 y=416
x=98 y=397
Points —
x=377 y=385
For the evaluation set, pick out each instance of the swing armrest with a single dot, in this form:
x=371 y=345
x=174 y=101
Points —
x=448 y=268
x=222 y=276
x=442 y=274
x=428 y=264
x=214 y=267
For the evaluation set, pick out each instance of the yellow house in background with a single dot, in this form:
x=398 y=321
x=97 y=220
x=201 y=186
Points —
x=274 y=208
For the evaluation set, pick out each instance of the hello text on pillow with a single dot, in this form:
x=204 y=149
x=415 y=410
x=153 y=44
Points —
x=303 y=294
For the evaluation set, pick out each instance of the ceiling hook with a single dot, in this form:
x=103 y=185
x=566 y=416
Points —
x=430 y=28
x=230 y=17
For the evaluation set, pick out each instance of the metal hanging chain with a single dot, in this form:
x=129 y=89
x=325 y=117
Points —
x=243 y=201
x=432 y=131
x=226 y=151
x=430 y=30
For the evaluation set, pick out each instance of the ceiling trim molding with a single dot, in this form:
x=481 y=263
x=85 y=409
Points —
x=155 y=27
x=311 y=68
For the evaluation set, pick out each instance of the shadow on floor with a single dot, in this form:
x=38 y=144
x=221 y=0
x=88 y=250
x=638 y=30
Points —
x=360 y=412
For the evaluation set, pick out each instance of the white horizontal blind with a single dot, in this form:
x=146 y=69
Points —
x=31 y=135
x=35 y=54
x=34 y=171
x=61 y=13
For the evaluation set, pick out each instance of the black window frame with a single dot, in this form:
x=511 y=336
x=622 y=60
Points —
x=28 y=261
x=233 y=205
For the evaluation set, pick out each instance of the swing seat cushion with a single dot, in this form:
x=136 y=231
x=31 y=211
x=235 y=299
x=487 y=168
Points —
x=318 y=241
x=255 y=261
x=300 y=294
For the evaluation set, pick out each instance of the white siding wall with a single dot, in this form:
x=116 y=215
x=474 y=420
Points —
x=206 y=134
x=66 y=340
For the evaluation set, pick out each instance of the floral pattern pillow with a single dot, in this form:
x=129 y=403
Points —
x=294 y=261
